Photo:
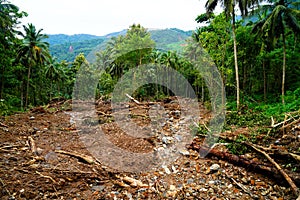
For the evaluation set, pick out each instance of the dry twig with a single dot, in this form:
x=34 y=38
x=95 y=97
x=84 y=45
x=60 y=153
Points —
x=4 y=185
x=4 y=125
x=287 y=178
x=87 y=159
x=32 y=145
x=133 y=99
x=49 y=177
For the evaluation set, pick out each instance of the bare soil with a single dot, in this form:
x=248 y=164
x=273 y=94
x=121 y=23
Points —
x=44 y=173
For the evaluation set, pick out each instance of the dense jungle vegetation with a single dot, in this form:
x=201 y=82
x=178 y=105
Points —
x=257 y=56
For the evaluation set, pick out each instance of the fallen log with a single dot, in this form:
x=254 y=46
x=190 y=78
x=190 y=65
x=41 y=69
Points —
x=251 y=165
x=282 y=172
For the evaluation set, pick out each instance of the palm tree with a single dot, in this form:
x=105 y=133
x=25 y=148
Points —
x=229 y=8
x=33 y=51
x=55 y=73
x=8 y=13
x=282 y=14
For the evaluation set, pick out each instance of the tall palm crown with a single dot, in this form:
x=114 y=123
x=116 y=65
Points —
x=33 y=51
x=7 y=15
x=34 y=48
x=281 y=14
x=229 y=5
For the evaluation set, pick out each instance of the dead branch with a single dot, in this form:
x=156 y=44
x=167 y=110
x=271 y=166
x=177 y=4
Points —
x=4 y=186
x=9 y=147
x=103 y=113
x=131 y=98
x=4 y=125
x=246 y=190
x=32 y=145
x=283 y=122
x=287 y=178
x=49 y=177
x=290 y=124
x=87 y=159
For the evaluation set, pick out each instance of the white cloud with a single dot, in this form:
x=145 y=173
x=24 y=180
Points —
x=101 y=17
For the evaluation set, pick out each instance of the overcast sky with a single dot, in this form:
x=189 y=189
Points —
x=100 y=17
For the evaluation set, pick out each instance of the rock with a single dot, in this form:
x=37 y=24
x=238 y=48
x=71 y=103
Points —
x=190 y=180
x=166 y=169
x=32 y=118
x=172 y=191
x=211 y=182
x=167 y=140
x=214 y=167
x=174 y=169
x=211 y=190
x=98 y=187
x=184 y=152
x=244 y=180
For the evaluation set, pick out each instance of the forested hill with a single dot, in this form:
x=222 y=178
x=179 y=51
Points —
x=67 y=47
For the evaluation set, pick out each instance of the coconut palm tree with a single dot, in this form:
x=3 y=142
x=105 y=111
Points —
x=8 y=14
x=282 y=14
x=229 y=8
x=33 y=51
x=55 y=73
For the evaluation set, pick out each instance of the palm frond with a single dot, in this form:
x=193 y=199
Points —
x=211 y=5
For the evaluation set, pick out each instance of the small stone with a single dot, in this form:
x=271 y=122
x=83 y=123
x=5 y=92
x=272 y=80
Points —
x=32 y=118
x=215 y=167
x=211 y=182
x=172 y=187
x=184 y=152
x=166 y=169
x=174 y=169
x=167 y=140
x=244 y=180
x=98 y=187
x=189 y=181
x=211 y=190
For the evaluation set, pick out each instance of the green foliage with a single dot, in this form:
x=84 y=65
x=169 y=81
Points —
x=36 y=77
x=237 y=147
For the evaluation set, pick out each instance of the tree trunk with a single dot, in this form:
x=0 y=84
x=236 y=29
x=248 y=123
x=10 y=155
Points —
x=22 y=94
x=2 y=82
x=235 y=61
x=283 y=67
x=265 y=81
x=27 y=87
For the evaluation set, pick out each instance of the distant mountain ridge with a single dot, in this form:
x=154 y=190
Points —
x=67 y=47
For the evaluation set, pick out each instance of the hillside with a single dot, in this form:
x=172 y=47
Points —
x=67 y=47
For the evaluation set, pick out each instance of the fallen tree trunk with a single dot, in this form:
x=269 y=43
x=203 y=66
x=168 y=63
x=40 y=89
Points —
x=250 y=165
x=282 y=172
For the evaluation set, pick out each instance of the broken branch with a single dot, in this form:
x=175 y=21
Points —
x=131 y=98
x=4 y=125
x=32 y=145
x=87 y=159
x=287 y=178
x=49 y=177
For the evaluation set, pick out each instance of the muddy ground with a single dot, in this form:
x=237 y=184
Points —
x=43 y=156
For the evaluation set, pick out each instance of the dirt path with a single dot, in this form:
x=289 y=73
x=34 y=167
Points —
x=32 y=165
